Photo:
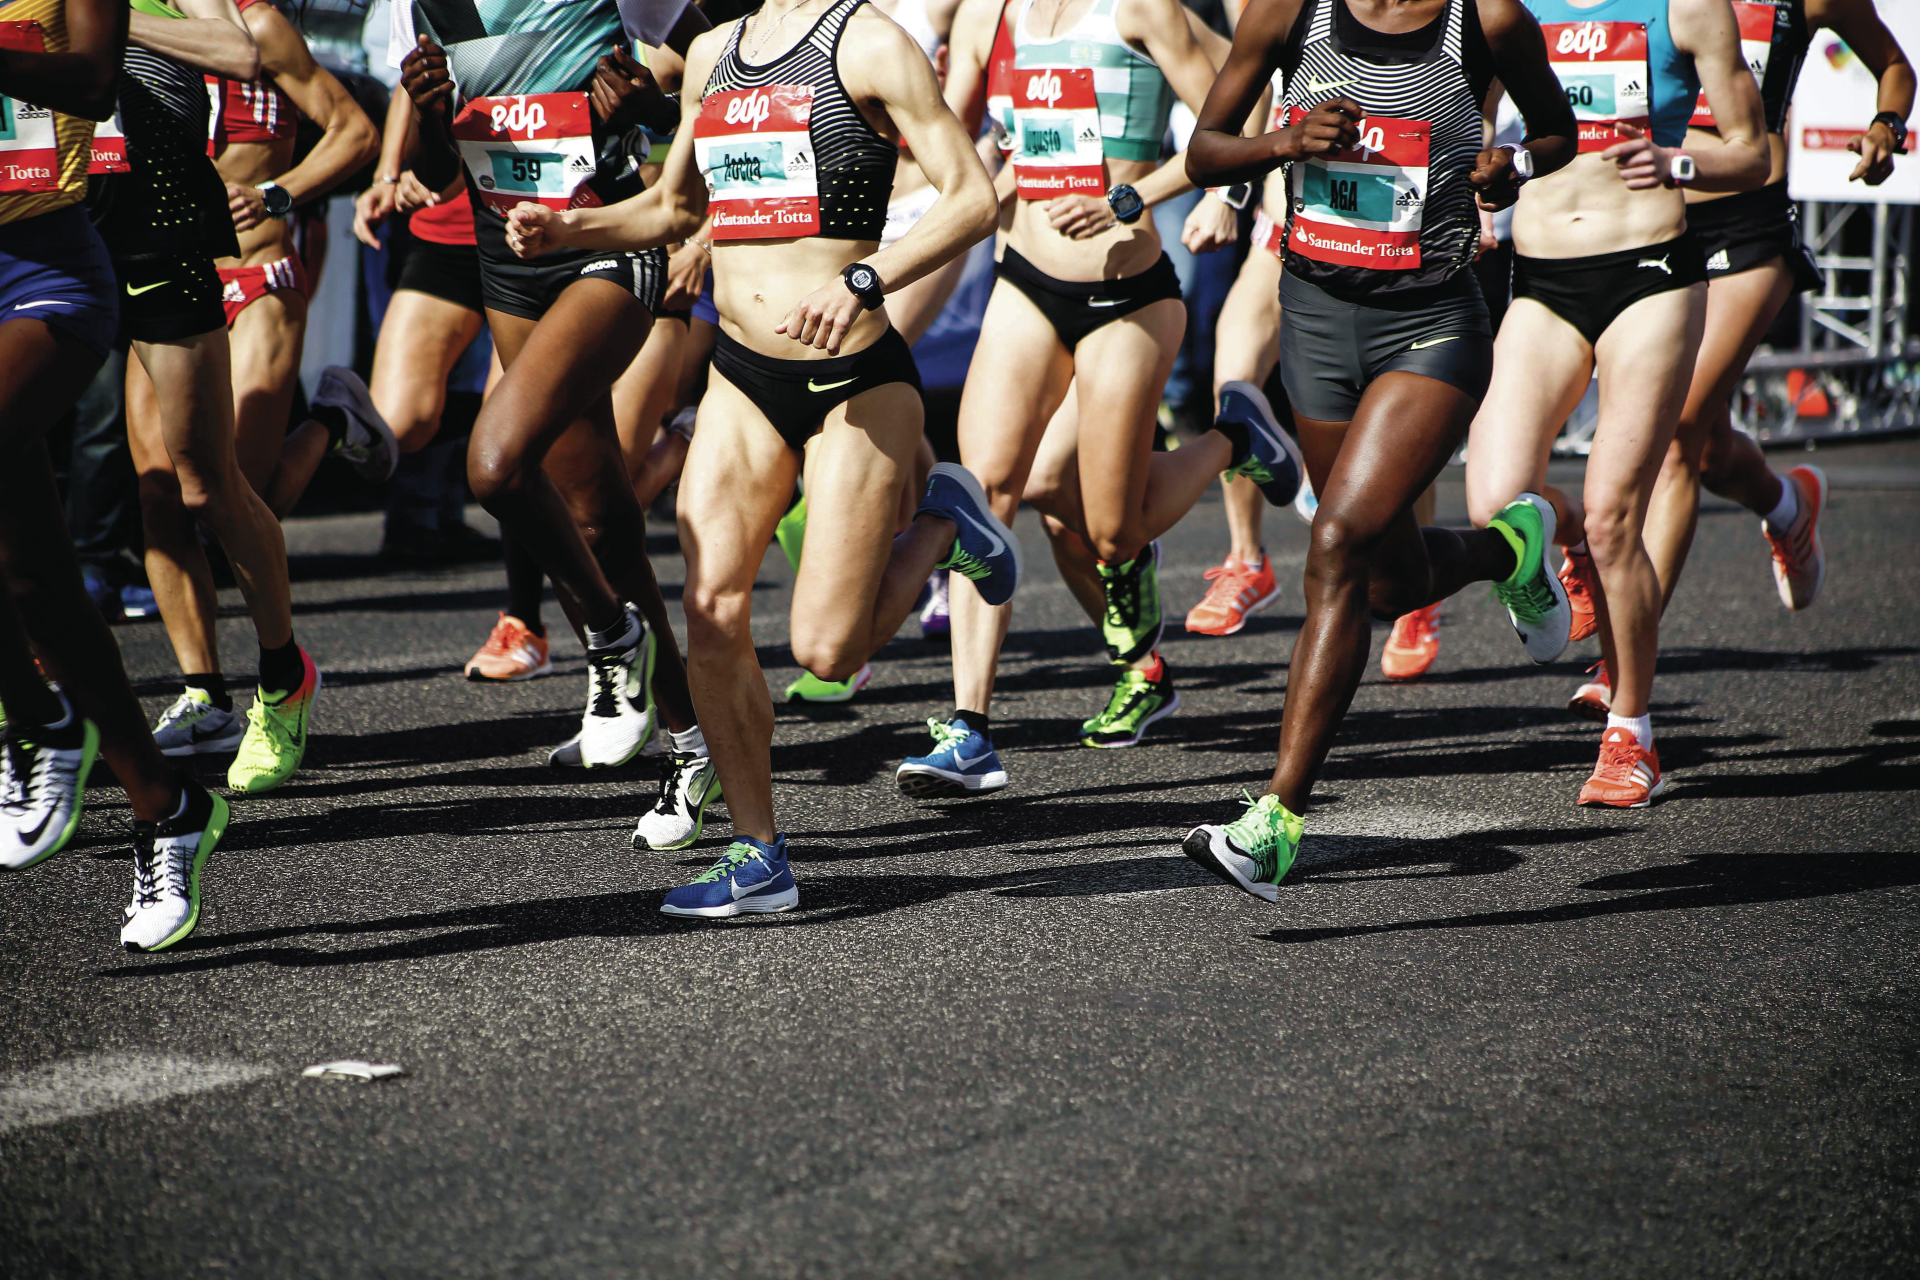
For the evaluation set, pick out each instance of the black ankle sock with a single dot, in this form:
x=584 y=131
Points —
x=526 y=583
x=978 y=721
x=281 y=670
x=1237 y=436
x=214 y=685
x=334 y=419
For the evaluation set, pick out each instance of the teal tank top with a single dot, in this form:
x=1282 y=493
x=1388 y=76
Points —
x=1135 y=97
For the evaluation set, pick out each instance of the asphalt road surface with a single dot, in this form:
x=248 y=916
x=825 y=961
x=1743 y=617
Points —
x=1481 y=1032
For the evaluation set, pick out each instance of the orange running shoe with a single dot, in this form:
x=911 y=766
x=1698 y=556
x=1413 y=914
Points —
x=1414 y=644
x=1581 y=583
x=1592 y=700
x=1799 y=561
x=1628 y=775
x=512 y=652
x=1238 y=591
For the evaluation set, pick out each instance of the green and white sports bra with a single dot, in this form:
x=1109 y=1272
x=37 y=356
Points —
x=1134 y=96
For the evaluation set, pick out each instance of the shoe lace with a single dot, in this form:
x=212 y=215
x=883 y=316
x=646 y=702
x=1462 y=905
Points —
x=1599 y=670
x=1228 y=580
x=1123 y=595
x=1793 y=548
x=1618 y=756
x=967 y=563
x=1125 y=694
x=738 y=854
x=16 y=769
x=678 y=781
x=947 y=734
x=502 y=639
x=1530 y=599
x=185 y=710
x=606 y=685
x=1258 y=830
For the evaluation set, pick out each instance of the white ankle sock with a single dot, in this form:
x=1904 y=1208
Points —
x=691 y=741
x=1789 y=505
x=1640 y=726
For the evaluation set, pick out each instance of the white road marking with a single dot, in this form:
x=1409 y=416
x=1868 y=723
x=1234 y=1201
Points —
x=89 y=1085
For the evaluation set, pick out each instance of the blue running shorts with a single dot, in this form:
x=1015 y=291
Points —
x=54 y=268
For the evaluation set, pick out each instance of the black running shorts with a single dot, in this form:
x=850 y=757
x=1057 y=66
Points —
x=1590 y=293
x=795 y=395
x=1750 y=229
x=166 y=299
x=450 y=272
x=529 y=288
x=1332 y=349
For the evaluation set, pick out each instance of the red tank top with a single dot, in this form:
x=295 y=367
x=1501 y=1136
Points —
x=449 y=222
x=249 y=110
x=1000 y=77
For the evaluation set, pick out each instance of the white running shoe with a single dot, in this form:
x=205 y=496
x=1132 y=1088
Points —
x=167 y=861
x=194 y=726
x=42 y=792
x=680 y=814
x=369 y=444
x=619 y=718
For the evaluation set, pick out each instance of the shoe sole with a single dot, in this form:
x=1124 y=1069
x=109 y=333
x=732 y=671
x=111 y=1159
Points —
x=1198 y=846
x=860 y=680
x=1653 y=793
x=1257 y=606
x=1548 y=523
x=925 y=784
x=211 y=747
x=481 y=677
x=1172 y=706
x=1588 y=707
x=1406 y=675
x=306 y=736
x=767 y=905
x=89 y=750
x=1272 y=424
x=209 y=838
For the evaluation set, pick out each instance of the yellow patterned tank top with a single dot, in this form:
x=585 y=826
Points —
x=43 y=154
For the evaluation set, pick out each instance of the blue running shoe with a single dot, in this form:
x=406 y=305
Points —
x=1273 y=462
x=984 y=550
x=962 y=763
x=751 y=878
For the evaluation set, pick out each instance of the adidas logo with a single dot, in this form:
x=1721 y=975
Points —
x=1634 y=89
x=1719 y=262
x=1408 y=199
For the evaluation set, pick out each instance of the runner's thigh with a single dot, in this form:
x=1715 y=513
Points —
x=1646 y=360
x=1121 y=371
x=736 y=485
x=1541 y=367
x=266 y=342
x=1019 y=375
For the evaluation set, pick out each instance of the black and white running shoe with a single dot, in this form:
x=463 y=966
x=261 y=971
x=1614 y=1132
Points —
x=680 y=814
x=43 y=784
x=167 y=860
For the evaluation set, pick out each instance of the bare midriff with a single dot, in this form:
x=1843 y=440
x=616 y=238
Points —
x=1586 y=209
x=248 y=164
x=1116 y=253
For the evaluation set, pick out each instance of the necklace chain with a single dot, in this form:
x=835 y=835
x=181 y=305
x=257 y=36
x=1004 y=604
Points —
x=766 y=34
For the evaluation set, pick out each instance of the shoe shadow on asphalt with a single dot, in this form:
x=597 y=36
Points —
x=1703 y=880
x=1688 y=661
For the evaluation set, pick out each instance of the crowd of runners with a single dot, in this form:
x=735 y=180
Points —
x=703 y=241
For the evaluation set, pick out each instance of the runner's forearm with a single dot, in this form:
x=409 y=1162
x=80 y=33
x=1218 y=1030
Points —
x=339 y=153
x=958 y=220
x=653 y=218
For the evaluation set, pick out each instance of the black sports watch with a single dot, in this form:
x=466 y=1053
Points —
x=1895 y=126
x=278 y=200
x=863 y=282
x=1126 y=203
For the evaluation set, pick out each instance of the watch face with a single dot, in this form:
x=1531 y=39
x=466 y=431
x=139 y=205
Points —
x=862 y=279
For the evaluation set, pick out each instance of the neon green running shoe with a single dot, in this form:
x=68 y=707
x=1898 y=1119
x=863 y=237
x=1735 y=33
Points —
x=811 y=688
x=1138 y=700
x=791 y=532
x=1536 y=602
x=1132 y=623
x=276 y=738
x=1252 y=852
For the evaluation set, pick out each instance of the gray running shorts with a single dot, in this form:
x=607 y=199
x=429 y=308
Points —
x=1331 y=349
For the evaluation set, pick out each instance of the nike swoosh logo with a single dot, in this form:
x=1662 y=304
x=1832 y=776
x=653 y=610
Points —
x=999 y=545
x=146 y=288
x=828 y=386
x=1431 y=342
x=44 y=302
x=1105 y=302
x=1318 y=86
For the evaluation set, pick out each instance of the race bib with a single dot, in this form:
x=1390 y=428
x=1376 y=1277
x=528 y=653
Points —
x=536 y=146
x=755 y=151
x=1363 y=207
x=29 y=154
x=1756 y=43
x=1056 y=134
x=1603 y=68
x=109 y=148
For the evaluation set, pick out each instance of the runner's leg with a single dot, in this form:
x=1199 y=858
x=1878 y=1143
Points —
x=1740 y=310
x=176 y=560
x=420 y=342
x=266 y=340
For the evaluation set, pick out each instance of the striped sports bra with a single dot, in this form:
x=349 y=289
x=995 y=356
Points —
x=845 y=181
x=1134 y=95
x=250 y=110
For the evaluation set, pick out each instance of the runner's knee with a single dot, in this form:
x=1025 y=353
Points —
x=716 y=617
x=1613 y=529
x=828 y=654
